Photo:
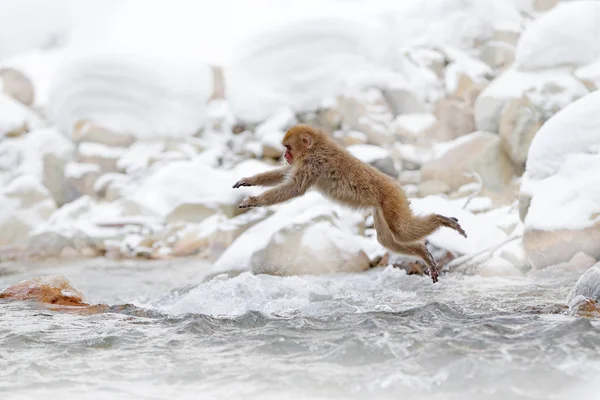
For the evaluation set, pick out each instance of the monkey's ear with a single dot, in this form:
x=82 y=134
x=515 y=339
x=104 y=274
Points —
x=307 y=140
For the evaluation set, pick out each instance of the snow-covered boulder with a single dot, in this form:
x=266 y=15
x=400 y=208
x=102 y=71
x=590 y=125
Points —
x=214 y=234
x=549 y=91
x=158 y=99
x=26 y=204
x=315 y=247
x=309 y=234
x=567 y=35
x=479 y=152
x=560 y=190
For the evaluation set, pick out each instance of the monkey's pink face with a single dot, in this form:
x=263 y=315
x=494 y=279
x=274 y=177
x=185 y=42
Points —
x=289 y=158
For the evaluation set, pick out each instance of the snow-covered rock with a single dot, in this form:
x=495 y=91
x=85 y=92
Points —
x=16 y=118
x=560 y=190
x=455 y=119
x=587 y=286
x=104 y=156
x=26 y=204
x=215 y=233
x=376 y=156
x=274 y=246
x=549 y=91
x=25 y=154
x=519 y=122
x=479 y=152
x=196 y=183
x=159 y=99
x=315 y=247
x=86 y=131
x=367 y=112
x=15 y=84
x=567 y=35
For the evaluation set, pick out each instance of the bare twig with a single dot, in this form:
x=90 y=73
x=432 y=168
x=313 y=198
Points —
x=469 y=260
x=479 y=187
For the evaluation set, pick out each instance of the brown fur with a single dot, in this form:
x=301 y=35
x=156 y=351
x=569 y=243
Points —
x=319 y=162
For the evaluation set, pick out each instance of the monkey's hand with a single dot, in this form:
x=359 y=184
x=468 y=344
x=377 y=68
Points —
x=243 y=182
x=249 y=202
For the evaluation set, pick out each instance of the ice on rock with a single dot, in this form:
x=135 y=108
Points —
x=568 y=35
x=160 y=99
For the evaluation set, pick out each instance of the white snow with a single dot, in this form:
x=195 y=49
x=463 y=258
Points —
x=191 y=181
x=562 y=168
x=25 y=154
x=568 y=35
x=90 y=149
x=159 y=99
x=368 y=153
x=415 y=123
x=14 y=116
x=482 y=229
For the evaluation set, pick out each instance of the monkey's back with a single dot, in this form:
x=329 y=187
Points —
x=346 y=179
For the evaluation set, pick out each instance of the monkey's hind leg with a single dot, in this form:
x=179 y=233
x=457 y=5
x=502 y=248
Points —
x=408 y=228
x=419 y=250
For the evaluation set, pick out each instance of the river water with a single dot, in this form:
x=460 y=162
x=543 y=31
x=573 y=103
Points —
x=376 y=335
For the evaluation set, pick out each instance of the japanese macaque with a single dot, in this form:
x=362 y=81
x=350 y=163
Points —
x=315 y=160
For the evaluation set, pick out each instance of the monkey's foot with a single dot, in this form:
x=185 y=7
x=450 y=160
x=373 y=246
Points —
x=241 y=182
x=248 y=202
x=432 y=267
x=433 y=272
x=452 y=223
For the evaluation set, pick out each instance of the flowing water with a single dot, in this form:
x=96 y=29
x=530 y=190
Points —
x=377 y=335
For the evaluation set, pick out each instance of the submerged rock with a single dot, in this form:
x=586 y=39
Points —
x=54 y=289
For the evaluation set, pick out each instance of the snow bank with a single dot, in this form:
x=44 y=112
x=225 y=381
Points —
x=562 y=169
x=449 y=23
x=568 y=35
x=295 y=65
x=128 y=94
x=193 y=182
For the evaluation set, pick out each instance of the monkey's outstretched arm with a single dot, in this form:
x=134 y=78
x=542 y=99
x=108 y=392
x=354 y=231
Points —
x=269 y=178
x=295 y=186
